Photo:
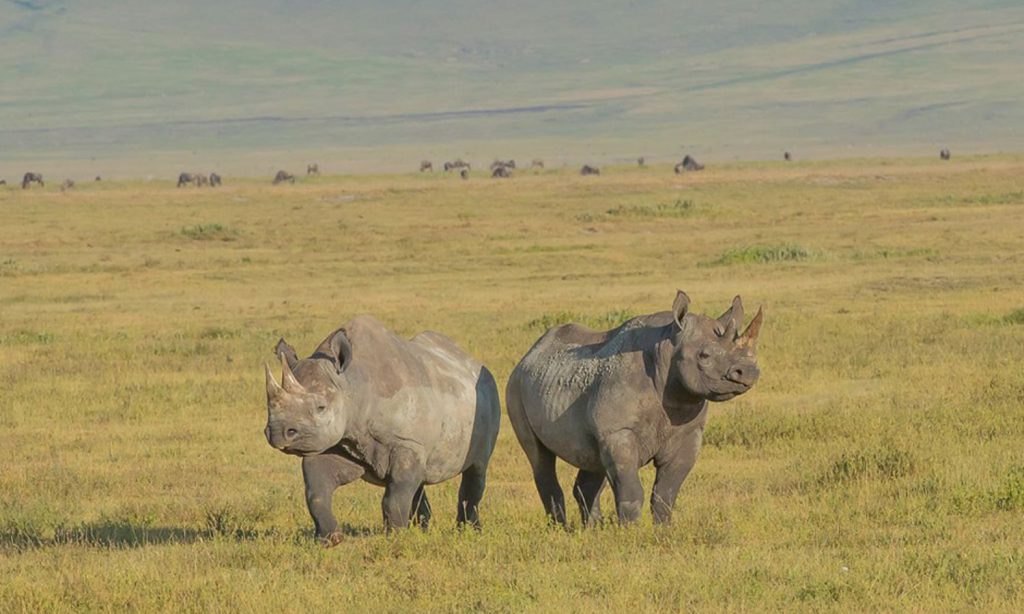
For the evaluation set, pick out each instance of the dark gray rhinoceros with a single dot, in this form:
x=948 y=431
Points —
x=611 y=402
x=397 y=413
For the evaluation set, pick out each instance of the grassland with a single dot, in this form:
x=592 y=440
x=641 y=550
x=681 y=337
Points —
x=878 y=465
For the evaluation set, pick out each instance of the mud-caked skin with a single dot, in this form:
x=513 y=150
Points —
x=397 y=413
x=611 y=402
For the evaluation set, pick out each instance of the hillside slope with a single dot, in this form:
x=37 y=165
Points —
x=597 y=79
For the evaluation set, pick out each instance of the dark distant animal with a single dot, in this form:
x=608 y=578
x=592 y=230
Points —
x=67 y=185
x=690 y=164
x=3 y=182
x=214 y=180
x=98 y=178
x=185 y=179
x=313 y=169
x=945 y=155
x=283 y=176
x=590 y=170
x=537 y=164
x=464 y=173
x=456 y=164
x=501 y=172
x=426 y=165
x=31 y=178
x=640 y=161
x=394 y=412
x=506 y=163
x=787 y=157
x=611 y=402
x=201 y=180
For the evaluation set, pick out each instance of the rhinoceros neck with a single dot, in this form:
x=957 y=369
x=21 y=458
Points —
x=669 y=386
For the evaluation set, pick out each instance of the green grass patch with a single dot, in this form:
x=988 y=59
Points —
x=761 y=254
x=210 y=232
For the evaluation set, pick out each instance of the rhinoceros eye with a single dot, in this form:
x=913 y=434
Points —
x=321 y=409
x=703 y=355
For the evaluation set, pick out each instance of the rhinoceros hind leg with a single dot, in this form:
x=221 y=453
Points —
x=587 y=492
x=471 y=491
x=541 y=459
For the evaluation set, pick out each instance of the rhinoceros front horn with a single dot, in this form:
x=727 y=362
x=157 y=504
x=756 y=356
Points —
x=288 y=378
x=749 y=336
x=273 y=389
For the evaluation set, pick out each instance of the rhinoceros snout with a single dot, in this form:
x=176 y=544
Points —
x=280 y=437
x=744 y=373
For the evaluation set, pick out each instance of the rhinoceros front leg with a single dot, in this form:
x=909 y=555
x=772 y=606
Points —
x=404 y=481
x=620 y=458
x=323 y=474
x=673 y=466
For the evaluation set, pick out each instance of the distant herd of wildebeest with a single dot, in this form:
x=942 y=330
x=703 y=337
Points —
x=500 y=169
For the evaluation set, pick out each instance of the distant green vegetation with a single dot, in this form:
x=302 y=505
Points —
x=761 y=254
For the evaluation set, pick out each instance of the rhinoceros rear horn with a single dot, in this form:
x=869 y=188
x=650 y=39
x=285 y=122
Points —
x=732 y=319
x=288 y=380
x=749 y=336
x=336 y=348
x=273 y=389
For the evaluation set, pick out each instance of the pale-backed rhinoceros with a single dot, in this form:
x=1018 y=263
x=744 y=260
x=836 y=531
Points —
x=396 y=413
x=611 y=402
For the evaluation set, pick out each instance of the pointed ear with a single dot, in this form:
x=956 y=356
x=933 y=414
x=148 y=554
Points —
x=336 y=348
x=732 y=319
x=287 y=352
x=680 y=306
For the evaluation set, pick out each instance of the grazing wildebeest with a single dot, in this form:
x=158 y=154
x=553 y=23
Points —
x=98 y=178
x=201 y=179
x=945 y=155
x=787 y=156
x=426 y=165
x=3 y=182
x=464 y=173
x=397 y=413
x=590 y=170
x=537 y=163
x=185 y=179
x=456 y=164
x=690 y=164
x=214 y=180
x=611 y=402
x=640 y=161
x=501 y=172
x=67 y=185
x=282 y=176
x=31 y=178
x=313 y=169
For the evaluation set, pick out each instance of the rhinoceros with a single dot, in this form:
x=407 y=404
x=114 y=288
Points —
x=397 y=413
x=611 y=402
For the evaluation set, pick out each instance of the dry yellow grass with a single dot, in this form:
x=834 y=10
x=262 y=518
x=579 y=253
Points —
x=877 y=465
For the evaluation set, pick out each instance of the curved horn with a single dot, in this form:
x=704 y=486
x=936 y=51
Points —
x=288 y=378
x=749 y=336
x=273 y=389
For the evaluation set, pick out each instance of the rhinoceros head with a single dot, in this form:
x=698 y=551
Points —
x=712 y=358
x=306 y=411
